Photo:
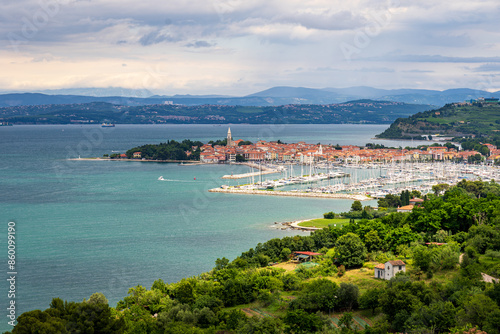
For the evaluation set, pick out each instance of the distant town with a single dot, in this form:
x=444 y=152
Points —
x=302 y=152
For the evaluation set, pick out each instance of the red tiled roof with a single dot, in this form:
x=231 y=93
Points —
x=417 y=200
x=397 y=263
x=308 y=253
x=380 y=266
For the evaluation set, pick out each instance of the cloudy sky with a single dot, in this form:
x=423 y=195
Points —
x=238 y=47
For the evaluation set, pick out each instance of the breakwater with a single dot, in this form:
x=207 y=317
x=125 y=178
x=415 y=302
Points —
x=263 y=170
x=356 y=197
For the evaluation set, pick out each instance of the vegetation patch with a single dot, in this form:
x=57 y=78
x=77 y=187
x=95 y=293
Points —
x=321 y=222
x=445 y=246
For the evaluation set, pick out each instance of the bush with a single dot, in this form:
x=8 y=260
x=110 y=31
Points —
x=341 y=271
x=368 y=265
x=329 y=215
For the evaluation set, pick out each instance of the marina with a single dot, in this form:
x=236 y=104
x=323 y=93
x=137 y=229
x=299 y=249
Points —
x=358 y=181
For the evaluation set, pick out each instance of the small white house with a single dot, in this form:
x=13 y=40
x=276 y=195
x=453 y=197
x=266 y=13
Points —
x=389 y=269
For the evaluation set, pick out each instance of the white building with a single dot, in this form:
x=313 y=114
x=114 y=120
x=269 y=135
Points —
x=389 y=269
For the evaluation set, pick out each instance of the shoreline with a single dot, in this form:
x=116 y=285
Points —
x=294 y=225
x=356 y=197
x=182 y=162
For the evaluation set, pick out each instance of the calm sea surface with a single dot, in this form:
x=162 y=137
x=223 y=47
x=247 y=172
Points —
x=104 y=226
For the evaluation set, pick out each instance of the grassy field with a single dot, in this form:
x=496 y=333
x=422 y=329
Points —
x=321 y=222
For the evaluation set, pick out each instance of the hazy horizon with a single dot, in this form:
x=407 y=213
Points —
x=232 y=47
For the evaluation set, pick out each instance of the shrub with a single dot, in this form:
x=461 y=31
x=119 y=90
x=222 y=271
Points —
x=341 y=271
x=329 y=215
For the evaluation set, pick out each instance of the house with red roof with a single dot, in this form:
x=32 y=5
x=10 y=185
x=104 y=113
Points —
x=304 y=256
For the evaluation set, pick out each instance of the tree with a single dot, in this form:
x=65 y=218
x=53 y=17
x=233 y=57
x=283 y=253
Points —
x=373 y=241
x=90 y=317
x=299 y=321
x=39 y=322
x=240 y=158
x=440 y=316
x=440 y=188
x=356 y=206
x=184 y=291
x=369 y=300
x=348 y=295
x=390 y=201
x=346 y=320
x=97 y=298
x=400 y=299
x=422 y=257
x=221 y=263
x=400 y=236
x=477 y=309
x=494 y=293
x=318 y=295
x=405 y=197
x=350 y=250
x=285 y=253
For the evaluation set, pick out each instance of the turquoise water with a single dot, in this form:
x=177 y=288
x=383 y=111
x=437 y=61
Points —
x=104 y=226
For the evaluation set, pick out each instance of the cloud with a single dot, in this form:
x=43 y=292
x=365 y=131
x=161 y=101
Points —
x=418 y=71
x=199 y=44
x=433 y=59
x=488 y=68
x=327 y=20
x=263 y=42
x=157 y=36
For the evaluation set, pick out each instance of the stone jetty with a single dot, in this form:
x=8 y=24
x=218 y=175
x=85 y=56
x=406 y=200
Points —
x=230 y=190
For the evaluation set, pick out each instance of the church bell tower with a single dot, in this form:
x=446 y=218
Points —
x=229 y=138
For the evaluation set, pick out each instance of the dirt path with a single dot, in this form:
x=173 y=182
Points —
x=288 y=266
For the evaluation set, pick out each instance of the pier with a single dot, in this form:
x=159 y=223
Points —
x=263 y=170
x=230 y=190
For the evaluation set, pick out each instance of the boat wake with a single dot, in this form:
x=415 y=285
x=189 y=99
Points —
x=170 y=180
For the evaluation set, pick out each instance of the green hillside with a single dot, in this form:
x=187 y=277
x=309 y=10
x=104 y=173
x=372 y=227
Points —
x=452 y=120
x=361 y=111
x=446 y=247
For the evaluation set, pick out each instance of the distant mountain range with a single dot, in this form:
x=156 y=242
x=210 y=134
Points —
x=270 y=97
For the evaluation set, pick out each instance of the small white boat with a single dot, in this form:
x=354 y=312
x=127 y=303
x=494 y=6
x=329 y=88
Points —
x=161 y=178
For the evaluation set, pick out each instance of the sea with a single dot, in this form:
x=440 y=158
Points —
x=105 y=226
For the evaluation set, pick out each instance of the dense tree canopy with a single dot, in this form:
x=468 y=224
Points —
x=171 y=150
x=247 y=295
x=350 y=250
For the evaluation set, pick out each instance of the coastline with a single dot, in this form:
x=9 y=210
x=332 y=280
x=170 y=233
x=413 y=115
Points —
x=294 y=225
x=183 y=162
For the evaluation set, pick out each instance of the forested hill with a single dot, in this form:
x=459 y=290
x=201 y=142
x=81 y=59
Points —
x=361 y=111
x=478 y=120
x=446 y=244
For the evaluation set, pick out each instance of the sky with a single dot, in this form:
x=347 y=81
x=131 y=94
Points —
x=238 y=47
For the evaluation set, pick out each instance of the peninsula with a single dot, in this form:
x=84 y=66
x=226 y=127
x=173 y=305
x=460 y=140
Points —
x=328 y=171
x=478 y=119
